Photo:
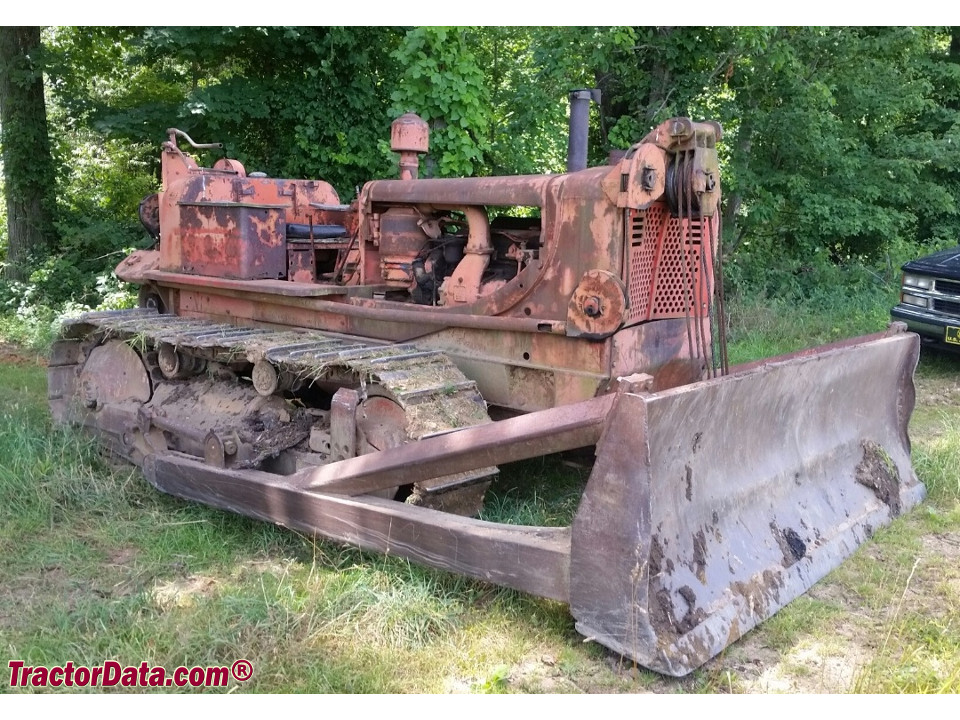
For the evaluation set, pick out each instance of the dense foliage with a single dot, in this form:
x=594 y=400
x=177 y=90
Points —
x=839 y=148
x=25 y=144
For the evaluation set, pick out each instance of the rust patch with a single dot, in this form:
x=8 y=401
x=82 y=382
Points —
x=693 y=616
x=758 y=592
x=753 y=596
x=772 y=581
x=597 y=307
x=877 y=472
x=734 y=633
x=664 y=613
x=699 y=566
x=656 y=557
x=535 y=387
x=791 y=544
x=231 y=240
x=661 y=613
x=676 y=373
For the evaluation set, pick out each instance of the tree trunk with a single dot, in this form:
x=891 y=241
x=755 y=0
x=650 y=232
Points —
x=733 y=201
x=661 y=82
x=27 y=163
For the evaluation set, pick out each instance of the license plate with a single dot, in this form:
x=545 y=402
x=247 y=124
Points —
x=952 y=335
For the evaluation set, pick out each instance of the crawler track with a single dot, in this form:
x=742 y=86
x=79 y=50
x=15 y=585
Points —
x=259 y=366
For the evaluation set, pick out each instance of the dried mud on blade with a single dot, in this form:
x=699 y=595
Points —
x=710 y=506
x=713 y=505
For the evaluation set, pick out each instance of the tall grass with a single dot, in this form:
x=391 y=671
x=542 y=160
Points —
x=762 y=326
x=31 y=328
x=96 y=565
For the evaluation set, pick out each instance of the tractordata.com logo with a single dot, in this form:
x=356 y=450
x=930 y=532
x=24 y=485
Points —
x=113 y=674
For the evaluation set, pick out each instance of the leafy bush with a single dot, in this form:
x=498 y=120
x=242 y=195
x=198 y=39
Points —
x=100 y=188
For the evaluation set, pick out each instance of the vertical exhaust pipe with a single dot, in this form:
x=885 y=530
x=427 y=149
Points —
x=579 y=127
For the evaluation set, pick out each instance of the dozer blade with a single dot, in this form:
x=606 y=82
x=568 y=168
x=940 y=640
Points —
x=710 y=506
x=713 y=505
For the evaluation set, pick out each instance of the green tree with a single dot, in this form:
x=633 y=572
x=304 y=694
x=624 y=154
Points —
x=830 y=145
x=645 y=74
x=938 y=210
x=839 y=142
x=29 y=177
x=295 y=102
x=527 y=99
x=444 y=83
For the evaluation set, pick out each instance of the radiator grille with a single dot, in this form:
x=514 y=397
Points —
x=665 y=264
x=947 y=306
x=948 y=287
x=643 y=247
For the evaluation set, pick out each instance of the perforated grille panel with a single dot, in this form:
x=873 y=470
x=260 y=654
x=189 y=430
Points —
x=666 y=270
x=678 y=273
x=643 y=245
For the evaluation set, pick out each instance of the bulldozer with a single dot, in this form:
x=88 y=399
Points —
x=360 y=371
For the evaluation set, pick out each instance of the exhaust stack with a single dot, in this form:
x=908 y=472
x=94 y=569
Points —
x=580 y=127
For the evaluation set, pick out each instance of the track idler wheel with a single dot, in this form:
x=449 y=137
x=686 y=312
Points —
x=218 y=449
x=381 y=425
x=110 y=389
x=113 y=373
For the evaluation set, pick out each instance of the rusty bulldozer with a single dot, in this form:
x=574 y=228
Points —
x=359 y=372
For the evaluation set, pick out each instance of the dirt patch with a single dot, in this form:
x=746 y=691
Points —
x=122 y=557
x=270 y=434
x=811 y=667
x=541 y=675
x=877 y=472
x=945 y=545
x=936 y=583
x=182 y=593
x=938 y=391
x=25 y=594
x=13 y=355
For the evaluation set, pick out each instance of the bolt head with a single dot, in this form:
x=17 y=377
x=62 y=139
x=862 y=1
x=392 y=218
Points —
x=592 y=306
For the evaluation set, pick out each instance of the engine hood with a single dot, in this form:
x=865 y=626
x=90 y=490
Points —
x=945 y=262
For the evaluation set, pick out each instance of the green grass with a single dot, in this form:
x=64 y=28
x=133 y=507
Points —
x=97 y=565
x=785 y=629
x=32 y=331
x=542 y=491
x=760 y=328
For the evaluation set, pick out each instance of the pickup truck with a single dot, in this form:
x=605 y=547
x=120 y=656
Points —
x=930 y=298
